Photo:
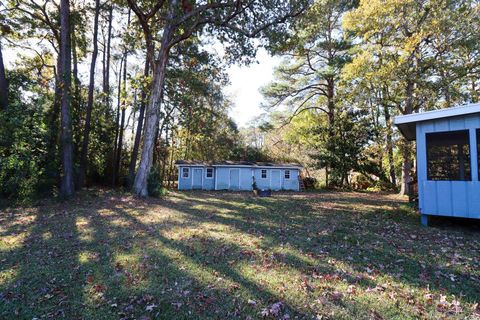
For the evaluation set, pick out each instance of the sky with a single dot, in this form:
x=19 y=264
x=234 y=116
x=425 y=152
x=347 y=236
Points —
x=244 y=90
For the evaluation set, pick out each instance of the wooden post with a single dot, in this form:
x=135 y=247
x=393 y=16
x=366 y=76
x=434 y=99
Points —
x=424 y=220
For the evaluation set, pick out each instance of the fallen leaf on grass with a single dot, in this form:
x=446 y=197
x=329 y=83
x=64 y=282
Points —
x=177 y=305
x=150 y=307
x=352 y=289
x=272 y=310
x=99 y=288
x=336 y=295
x=428 y=298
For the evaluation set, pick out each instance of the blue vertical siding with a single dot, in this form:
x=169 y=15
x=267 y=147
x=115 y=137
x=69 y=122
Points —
x=292 y=183
x=222 y=179
x=197 y=178
x=184 y=183
x=448 y=198
x=262 y=183
x=246 y=179
x=209 y=183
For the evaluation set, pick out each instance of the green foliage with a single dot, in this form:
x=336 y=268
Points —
x=23 y=139
x=342 y=152
x=155 y=183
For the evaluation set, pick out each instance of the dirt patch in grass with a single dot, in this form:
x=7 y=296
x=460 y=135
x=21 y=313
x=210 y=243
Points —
x=329 y=255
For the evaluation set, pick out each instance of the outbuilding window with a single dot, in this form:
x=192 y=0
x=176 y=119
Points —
x=264 y=173
x=185 y=173
x=287 y=174
x=209 y=173
x=448 y=156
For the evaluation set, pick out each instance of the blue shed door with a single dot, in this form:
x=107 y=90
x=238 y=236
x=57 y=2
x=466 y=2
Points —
x=276 y=180
x=234 y=179
x=197 y=178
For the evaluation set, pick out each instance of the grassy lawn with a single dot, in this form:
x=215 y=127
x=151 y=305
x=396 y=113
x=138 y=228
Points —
x=334 y=255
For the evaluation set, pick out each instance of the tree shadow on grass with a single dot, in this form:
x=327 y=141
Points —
x=98 y=256
x=100 y=262
x=389 y=240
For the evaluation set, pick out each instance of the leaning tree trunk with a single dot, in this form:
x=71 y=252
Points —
x=147 y=33
x=67 y=182
x=138 y=134
x=3 y=84
x=153 y=114
x=88 y=118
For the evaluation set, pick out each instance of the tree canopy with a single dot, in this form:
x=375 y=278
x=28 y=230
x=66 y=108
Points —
x=113 y=92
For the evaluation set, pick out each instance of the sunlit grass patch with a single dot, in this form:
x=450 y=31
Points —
x=330 y=255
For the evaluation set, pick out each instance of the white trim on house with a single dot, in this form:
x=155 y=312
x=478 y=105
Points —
x=206 y=172
x=253 y=166
x=191 y=184
x=188 y=173
x=240 y=166
x=280 y=176
x=437 y=114
x=407 y=123
x=230 y=178
x=266 y=174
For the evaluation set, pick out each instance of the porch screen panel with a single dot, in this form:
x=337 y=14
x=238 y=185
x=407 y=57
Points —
x=448 y=156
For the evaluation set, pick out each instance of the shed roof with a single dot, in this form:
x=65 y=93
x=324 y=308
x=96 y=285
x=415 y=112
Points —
x=407 y=123
x=228 y=163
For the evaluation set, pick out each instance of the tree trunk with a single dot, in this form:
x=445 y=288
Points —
x=106 y=66
x=118 y=157
x=3 y=84
x=76 y=80
x=53 y=117
x=331 y=121
x=391 y=163
x=138 y=135
x=91 y=86
x=67 y=182
x=153 y=114
x=407 y=164
x=165 y=155
x=117 y=118
x=474 y=92
x=147 y=33
x=406 y=168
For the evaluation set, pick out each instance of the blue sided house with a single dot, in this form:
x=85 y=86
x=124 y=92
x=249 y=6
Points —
x=237 y=175
x=448 y=156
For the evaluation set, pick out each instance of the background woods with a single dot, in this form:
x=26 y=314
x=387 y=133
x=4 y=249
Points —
x=113 y=92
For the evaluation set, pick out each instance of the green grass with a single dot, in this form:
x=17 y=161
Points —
x=329 y=255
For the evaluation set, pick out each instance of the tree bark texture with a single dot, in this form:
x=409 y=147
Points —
x=106 y=65
x=391 y=163
x=153 y=114
x=407 y=163
x=67 y=179
x=117 y=119
x=138 y=134
x=3 y=84
x=91 y=87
